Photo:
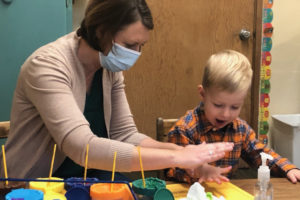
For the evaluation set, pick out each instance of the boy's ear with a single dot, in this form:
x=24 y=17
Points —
x=201 y=91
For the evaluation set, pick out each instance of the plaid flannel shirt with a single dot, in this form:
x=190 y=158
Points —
x=194 y=128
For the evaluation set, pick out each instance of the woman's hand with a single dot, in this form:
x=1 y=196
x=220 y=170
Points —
x=210 y=173
x=188 y=157
x=193 y=156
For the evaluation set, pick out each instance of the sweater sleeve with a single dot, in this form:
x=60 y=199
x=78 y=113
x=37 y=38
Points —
x=122 y=125
x=49 y=85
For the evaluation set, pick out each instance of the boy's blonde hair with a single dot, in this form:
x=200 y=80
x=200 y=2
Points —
x=227 y=70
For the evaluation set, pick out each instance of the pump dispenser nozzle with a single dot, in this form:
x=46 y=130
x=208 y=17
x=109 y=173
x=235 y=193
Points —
x=263 y=188
x=263 y=170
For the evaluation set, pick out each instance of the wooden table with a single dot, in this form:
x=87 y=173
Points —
x=283 y=189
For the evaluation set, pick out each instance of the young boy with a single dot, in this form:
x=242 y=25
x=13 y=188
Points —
x=226 y=81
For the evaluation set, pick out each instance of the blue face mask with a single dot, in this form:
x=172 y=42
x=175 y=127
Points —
x=119 y=58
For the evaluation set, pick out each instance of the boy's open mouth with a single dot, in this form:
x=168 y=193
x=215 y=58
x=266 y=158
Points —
x=220 y=121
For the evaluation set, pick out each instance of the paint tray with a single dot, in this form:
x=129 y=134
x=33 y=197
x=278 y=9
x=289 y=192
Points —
x=228 y=190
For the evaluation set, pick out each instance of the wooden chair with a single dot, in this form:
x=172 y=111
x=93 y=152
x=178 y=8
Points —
x=4 y=129
x=162 y=128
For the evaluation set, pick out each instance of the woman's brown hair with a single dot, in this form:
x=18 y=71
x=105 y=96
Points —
x=104 y=18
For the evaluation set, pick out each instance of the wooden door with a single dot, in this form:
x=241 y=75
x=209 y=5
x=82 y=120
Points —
x=163 y=83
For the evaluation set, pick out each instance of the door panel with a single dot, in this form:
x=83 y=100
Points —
x=25 y=26
x=163 y=83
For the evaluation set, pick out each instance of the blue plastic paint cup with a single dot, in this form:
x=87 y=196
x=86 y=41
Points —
x=78 y=192
x=79 y=182
x=25 y=194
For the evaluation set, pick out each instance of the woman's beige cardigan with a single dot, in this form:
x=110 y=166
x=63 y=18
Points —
x=48 y=108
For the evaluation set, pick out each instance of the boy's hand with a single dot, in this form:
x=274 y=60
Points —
x=210 y=173
x=294 y=175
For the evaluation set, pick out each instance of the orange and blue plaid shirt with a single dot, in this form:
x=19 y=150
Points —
x=194 y=128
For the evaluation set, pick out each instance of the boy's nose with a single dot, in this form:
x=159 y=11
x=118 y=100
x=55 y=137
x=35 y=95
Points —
x=226 y=113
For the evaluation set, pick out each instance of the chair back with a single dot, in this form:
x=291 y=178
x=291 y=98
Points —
x=163 y=127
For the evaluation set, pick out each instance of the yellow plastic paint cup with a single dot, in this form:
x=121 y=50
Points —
x=57 y=187
x=54 y=196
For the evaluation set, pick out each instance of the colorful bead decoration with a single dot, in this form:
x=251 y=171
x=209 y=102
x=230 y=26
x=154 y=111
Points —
x=265 y=72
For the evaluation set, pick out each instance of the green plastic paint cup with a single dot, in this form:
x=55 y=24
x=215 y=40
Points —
x=148 y=192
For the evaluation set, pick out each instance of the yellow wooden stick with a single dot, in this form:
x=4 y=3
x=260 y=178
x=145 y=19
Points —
x=114 y=167
x=113 y=171
x=4 y=164
x=141 y=164
x=86 y=160
x=52 y=161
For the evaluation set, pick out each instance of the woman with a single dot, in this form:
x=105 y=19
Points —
x=71 y=93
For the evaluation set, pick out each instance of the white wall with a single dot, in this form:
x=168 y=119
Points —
x=285 y=66
x=285 y=71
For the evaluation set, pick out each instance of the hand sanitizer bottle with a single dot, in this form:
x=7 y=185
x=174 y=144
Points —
x=263 y=187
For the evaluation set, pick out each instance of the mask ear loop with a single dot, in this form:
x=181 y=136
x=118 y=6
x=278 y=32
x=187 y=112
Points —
x=113 y=43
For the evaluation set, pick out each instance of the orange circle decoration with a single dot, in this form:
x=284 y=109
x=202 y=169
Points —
x=268 y=3
x=263 y=139
x=268 y=30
